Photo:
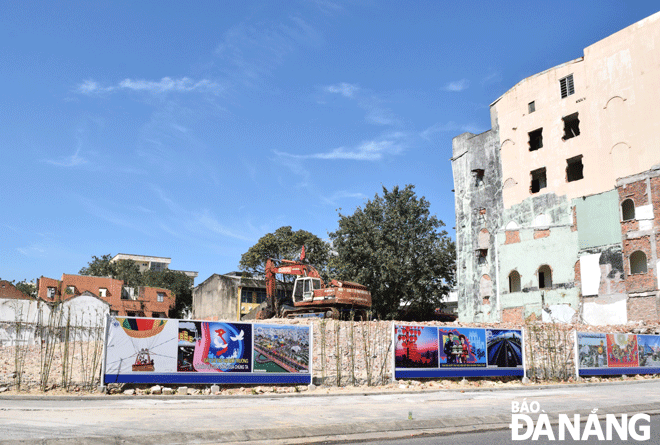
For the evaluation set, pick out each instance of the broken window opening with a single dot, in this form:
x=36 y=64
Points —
x=482 y=256
x=628 y=210
x=545 y=277
x=531 y=107
x=574 y=169
x=478 y=174
x=638 y=262
x=571 y=126
x=539 y=180
x=514 y=281
x=535 y=139
x=566 y=86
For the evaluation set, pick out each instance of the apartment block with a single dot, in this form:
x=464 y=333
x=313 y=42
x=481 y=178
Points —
x=557 y=206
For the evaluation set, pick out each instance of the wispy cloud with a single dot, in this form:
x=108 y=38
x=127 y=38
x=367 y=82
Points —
x=457 y=86
x=32 y=251
x=328 y=7
x=376 y=113
x=75 y=159
x=251 y=51
x=113 y=217
x=345 y=89
x=208 y=221
x=162 y=86
x=373 y=150
x=342 y=194
x=493 y=77
x=450 y=127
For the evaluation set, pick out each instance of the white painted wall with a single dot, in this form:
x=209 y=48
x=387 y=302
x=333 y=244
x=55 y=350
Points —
x=85 y=311
x=590 y=274
x=608 y=311
x=27 y=312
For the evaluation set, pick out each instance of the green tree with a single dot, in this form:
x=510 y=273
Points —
x=178 y=283
x=286 y=244
x=394 y=247
x=99 y=267
x=28 y=289
x=126 y=270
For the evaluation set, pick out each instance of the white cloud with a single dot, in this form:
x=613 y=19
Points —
x=345 y=89
x=342 y=194
x=450 y=127
x=373 y=150
x=164 y=85
x=457 y=86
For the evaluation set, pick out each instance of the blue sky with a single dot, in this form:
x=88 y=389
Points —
x=191 y=129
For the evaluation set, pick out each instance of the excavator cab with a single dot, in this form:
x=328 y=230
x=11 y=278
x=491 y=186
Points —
x=304 y=287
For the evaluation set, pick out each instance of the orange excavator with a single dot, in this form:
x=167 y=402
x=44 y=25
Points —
x=311 y=296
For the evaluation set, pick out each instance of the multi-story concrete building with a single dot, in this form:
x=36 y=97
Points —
x=558 y=205
x=155 y=263
x=141 y=301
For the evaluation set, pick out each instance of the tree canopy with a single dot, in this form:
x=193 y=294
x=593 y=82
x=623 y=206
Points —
x=128 y=271
x=286 y=244
x=394 y=247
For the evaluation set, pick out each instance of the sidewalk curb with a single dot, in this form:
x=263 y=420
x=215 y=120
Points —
x=320 y=389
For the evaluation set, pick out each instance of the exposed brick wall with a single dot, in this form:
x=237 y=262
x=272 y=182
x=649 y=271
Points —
x=8 y=290
x=637 y=191
x=643 y=308
x=541 y=233
x=578 y=274
x=629 y=226
x=655 y=197
x=639 y=282
x=513 y=315
x=145 y=305
x=512 y=237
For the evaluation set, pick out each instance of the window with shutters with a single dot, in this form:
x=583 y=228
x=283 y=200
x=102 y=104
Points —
x=566 y=86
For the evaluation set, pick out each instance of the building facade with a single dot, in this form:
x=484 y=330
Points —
x=231 y=297
x=155 y=263
x=557 y=205
x=141 y=301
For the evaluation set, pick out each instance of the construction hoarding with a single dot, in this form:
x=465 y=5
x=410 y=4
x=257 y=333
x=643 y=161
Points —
x=148 y=350
x=443 y=351
x=613 y=354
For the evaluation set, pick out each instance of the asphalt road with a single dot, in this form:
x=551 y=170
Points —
x=503 y=437
x=300 y=418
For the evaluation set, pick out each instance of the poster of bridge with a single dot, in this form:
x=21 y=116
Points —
x=444 y=351
x=170 y=351
x=616 y=354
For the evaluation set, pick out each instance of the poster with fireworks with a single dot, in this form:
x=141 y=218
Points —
x=149 y=350
x=444 y=351
x=416 y=347
x=617 y=354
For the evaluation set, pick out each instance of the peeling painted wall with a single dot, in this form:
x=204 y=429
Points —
x=478 y=215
